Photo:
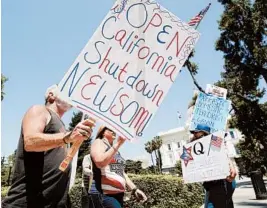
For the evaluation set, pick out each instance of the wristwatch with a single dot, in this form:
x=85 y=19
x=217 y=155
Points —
x=66 y=137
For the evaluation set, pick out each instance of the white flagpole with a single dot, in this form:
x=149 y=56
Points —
x=179 y=118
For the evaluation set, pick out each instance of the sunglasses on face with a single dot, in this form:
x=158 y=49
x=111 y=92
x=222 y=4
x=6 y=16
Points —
x=112 y=132
x=196 y=135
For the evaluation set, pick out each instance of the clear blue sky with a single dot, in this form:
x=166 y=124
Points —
x=41 y=39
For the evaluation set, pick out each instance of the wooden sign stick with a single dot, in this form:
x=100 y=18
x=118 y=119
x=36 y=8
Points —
x=72 y=151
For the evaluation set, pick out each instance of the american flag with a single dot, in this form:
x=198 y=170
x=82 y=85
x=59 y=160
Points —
x=215 y=143
x=196 y=20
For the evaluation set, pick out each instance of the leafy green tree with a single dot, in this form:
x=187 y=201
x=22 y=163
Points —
x=134 y=167
x=251 y=160
x=193 y=101
x=7 y=168
x=3 y=160
x=192 y=68
x=4 y=172
x=151 y=170
x=157 y=143
x=3 y=80
x=178 y=168
x=244 y=45
x=154 y=146
x=76 y=118
x=11 y=161
x=149 y=149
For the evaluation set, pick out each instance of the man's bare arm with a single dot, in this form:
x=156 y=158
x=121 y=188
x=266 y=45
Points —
x=33 y=126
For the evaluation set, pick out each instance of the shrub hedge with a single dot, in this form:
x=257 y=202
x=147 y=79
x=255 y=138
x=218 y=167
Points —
x=4 y=190
x=163 y=191
x=166 y=191
x=76 y=194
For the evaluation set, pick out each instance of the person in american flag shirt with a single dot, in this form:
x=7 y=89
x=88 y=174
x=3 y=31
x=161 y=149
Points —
x=109 y=178
x=219 y=192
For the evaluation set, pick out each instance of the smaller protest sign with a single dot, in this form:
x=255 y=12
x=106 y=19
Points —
x=205 y=159
x=216 y=91
x=211 y=111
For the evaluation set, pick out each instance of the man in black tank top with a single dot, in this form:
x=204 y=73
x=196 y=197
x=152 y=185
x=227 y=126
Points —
x=37 y=181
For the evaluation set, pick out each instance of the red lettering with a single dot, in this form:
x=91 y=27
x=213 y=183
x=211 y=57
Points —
x=154 y=23
x=118 y=114
x=178 y=50
x=120 y=39
x=122 y=70
x=155 y=63
x=115 y=7
x=169 y=72
x=140 y=118
x=90 y=83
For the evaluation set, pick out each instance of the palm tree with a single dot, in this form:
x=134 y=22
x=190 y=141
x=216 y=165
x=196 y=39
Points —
x=149 y=149
x=154 y=148
x=157 y=143
x=3 y=80
x=193 y=101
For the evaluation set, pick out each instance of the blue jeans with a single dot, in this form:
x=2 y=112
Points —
x=106 y=201
x=219 y=194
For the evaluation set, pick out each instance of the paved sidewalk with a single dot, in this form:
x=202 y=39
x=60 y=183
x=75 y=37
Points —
x=244 y=195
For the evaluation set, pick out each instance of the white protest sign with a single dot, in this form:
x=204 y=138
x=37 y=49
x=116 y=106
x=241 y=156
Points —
x=205 y=159
x=126 y=69
x=216 y=91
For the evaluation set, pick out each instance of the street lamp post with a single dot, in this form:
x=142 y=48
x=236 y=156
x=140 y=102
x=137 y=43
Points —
x=9 y=175
x=258 y=182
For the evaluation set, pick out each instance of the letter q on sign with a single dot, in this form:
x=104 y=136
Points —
x=198 y=148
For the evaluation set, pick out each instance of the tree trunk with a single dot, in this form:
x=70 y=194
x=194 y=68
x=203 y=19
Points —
x=160 y=162
x=152 y=162
x=195 y=81
x=264 y=75
x=9 y=176
x=157 y=163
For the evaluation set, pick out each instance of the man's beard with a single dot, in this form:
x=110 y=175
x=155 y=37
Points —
x=62 y=105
